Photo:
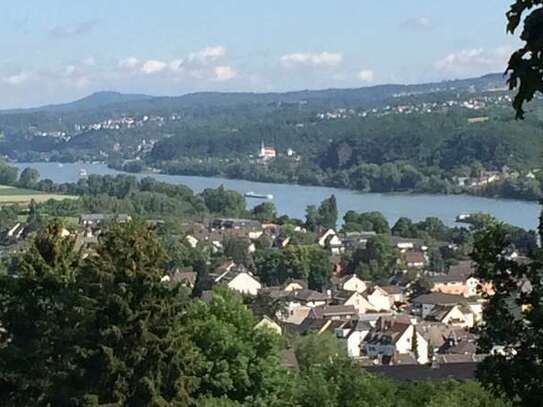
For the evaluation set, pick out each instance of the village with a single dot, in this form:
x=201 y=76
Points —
x=384 y=327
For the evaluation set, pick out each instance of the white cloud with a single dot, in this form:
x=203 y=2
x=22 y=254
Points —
x=325 y=59
x=17 y=79
x=207 y=55
x=225 y=73
x=365 y=75
x=69 y=70
x=474 y=61
x=153 y=66
x=129 y=63
x=89 y=61
x=417 y=24
x=176 y=65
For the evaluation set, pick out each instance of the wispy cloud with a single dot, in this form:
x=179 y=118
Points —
x=153 y=66
x=225 y=73
x=207 y=55
x=17 y=79
x=204 y=64
x=322 y=59
x=366 y=75
x=73 y=30
x=474 y=61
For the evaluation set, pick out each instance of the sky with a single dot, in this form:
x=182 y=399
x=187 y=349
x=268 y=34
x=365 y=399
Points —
x=55 y=51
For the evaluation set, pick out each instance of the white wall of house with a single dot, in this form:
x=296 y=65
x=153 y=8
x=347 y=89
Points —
x=404 y=345
x=355 y=284
x=360 y=303
x=458 y=318
x=380 y=300
x=245 y=283
x=324 y=237
x=354 y=340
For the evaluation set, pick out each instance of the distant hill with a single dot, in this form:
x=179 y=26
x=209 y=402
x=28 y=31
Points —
x=94 y=101
x=118 y=102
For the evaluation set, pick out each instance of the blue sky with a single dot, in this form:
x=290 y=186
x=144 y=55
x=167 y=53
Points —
x=58 y=50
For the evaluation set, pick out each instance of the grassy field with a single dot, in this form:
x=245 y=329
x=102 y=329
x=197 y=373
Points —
x=13 y=195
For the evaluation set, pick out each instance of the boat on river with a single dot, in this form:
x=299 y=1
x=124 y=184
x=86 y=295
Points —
x=258 y=196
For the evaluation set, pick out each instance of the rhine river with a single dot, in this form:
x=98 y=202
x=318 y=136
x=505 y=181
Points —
x=293 y=199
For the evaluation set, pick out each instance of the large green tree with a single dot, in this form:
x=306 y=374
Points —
x=526 y=64
x=513 y=317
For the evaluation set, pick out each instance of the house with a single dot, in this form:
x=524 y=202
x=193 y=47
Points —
x=248 y=227
x=352 y=333
x=423 y=304
x=349 y=282
x=355 y=240
x=329 y=239
x=414 y=259
x=17 y=232
x=395 y=293
x=380 y=299
x=266 y=153
x=268 y=323
x=192 y=241
x=97 y=219
x=239 y=279
x=395 y=336
x=186 y=277
x=460 y=281
x=356 y=299
x=333 y=312
x=454 y=315
x=308 y=298
x=294 y=285
x=405 y=244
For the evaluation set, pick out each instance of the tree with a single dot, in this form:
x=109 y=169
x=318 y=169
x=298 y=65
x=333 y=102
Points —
x=237 y=249
x=8 y=175
x=327 y=213
x=316 y=350
x=513 y=318
x=103 y=330
x=367 y=221
x=320 y=269
x=38 y=318
x=403 y=227
x=376 y=261
x=29 y=178
x=311 y=218
x=265 y=212
x=133 y=349
x=224 y=202
x=526 y=64
x=239 y=363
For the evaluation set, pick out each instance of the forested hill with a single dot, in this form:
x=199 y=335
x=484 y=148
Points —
x=413 y=137
x=364 y=96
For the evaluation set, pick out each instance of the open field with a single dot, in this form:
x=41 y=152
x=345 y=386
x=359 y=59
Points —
x=13 y=195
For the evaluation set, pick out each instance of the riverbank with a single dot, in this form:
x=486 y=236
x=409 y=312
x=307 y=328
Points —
x=293 y=200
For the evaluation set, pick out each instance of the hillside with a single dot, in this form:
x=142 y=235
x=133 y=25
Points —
x=413 y=137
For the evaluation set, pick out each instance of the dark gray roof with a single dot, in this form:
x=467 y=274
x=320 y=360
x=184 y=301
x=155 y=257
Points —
x=458 y=371
x=308 y=295
x=439 y=299
x=447 y=278
x=329 y=311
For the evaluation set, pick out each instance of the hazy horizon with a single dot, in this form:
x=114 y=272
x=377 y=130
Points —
x=60 y=51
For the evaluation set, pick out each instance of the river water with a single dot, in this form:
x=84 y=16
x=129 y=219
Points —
x=293 y=199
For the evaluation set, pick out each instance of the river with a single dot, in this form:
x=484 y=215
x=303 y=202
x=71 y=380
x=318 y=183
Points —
x=293 y=199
